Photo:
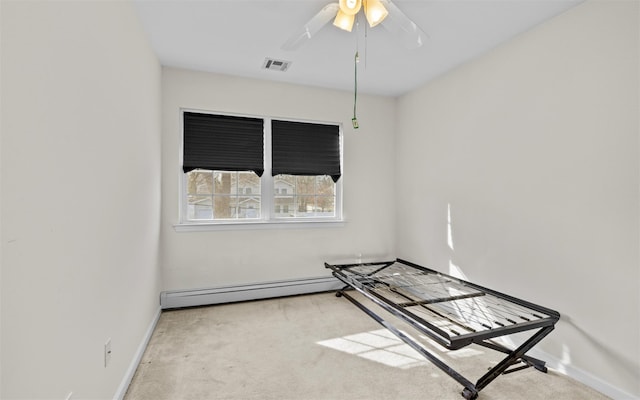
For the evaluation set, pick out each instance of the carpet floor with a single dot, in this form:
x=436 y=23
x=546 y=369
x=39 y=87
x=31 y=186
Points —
x=314 y=347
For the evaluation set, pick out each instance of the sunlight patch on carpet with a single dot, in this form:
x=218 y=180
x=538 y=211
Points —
x=384 y=347
x=379 y=346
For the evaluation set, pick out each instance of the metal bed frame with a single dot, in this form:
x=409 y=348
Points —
x=453 y=312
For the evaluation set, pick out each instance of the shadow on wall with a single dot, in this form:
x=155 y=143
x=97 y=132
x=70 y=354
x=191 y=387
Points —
x=627 y=362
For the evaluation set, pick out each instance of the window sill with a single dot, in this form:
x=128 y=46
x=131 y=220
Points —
x=244 y=225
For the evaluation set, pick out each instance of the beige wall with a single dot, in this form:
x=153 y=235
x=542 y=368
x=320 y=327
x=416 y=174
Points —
x=529 y=156
x=205 y=259
x=80 y=198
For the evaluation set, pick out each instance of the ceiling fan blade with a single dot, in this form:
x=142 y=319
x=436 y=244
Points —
x=312 y=27
x=401 y=26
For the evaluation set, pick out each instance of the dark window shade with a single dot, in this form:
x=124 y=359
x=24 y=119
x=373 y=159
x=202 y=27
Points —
x=300 y=148
x=222 y=142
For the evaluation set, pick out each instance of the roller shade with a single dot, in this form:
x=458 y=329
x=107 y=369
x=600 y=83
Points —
x=300 y=148
x=222 y=142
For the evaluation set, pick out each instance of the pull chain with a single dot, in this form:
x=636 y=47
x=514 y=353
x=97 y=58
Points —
x=356 y=59
x=354 y=120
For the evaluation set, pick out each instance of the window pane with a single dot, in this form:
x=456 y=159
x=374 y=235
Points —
x=325 y=206
x=224 y=182
x=283 y=203
x=305 y=184
x=249 y=183
x=287 y=182
x=224 y=207
x=199 y=182
x=325 y=186
x=304 y=196
x=283 y=199
x=248 y=207
x=232 y=195
x=199 y=207
x=249 y=178
x=305 y=205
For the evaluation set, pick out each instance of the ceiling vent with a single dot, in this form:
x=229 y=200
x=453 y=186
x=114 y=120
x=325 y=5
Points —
x=276 y=65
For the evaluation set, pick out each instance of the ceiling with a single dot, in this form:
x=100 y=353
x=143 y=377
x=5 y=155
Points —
x=235 y=36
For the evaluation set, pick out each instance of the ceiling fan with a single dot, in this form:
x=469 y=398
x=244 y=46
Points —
x=344 y=13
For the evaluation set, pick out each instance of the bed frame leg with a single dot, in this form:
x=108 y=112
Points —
x=512 y=358
x=527 y=360
x=339 y=292
x=469 y=394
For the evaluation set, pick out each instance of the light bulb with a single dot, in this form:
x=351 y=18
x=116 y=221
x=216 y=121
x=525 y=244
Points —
x=350 y=7
x=375 y=12
x=344 y=21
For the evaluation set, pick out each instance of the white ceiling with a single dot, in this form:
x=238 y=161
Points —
x=235 y=36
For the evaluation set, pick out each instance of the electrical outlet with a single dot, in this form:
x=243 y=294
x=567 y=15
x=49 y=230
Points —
x=107 y=353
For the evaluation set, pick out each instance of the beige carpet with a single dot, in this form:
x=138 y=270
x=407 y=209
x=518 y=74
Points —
x=313 y=347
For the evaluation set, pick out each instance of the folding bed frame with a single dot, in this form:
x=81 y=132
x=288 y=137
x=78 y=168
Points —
x=452 y=312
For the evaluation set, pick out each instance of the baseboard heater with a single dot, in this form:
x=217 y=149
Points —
x=229 y=294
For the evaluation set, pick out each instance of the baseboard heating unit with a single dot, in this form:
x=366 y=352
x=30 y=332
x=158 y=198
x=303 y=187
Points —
x=254 y=291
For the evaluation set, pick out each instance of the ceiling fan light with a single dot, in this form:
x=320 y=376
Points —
x=350 y=7
x=344 y=21
x=375 y=12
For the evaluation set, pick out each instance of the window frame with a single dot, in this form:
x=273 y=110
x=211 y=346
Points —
x=268 y=216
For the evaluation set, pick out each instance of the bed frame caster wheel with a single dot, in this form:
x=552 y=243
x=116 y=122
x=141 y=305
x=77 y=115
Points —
x=339 y=293
x=469 y=395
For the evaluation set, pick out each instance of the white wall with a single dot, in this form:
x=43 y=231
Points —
x=534 y=150
x=1 y=241
x=206 y=259
x=80 y=196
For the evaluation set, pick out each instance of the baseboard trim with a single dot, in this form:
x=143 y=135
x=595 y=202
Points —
x=583 y=377
x=254 y=291
x=128 y=377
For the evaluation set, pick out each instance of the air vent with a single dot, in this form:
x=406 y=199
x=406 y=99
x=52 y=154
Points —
x=276 y=65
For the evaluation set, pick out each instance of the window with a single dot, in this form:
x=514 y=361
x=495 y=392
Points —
x=220 y=195
x=311 y=196
x=224 y=158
